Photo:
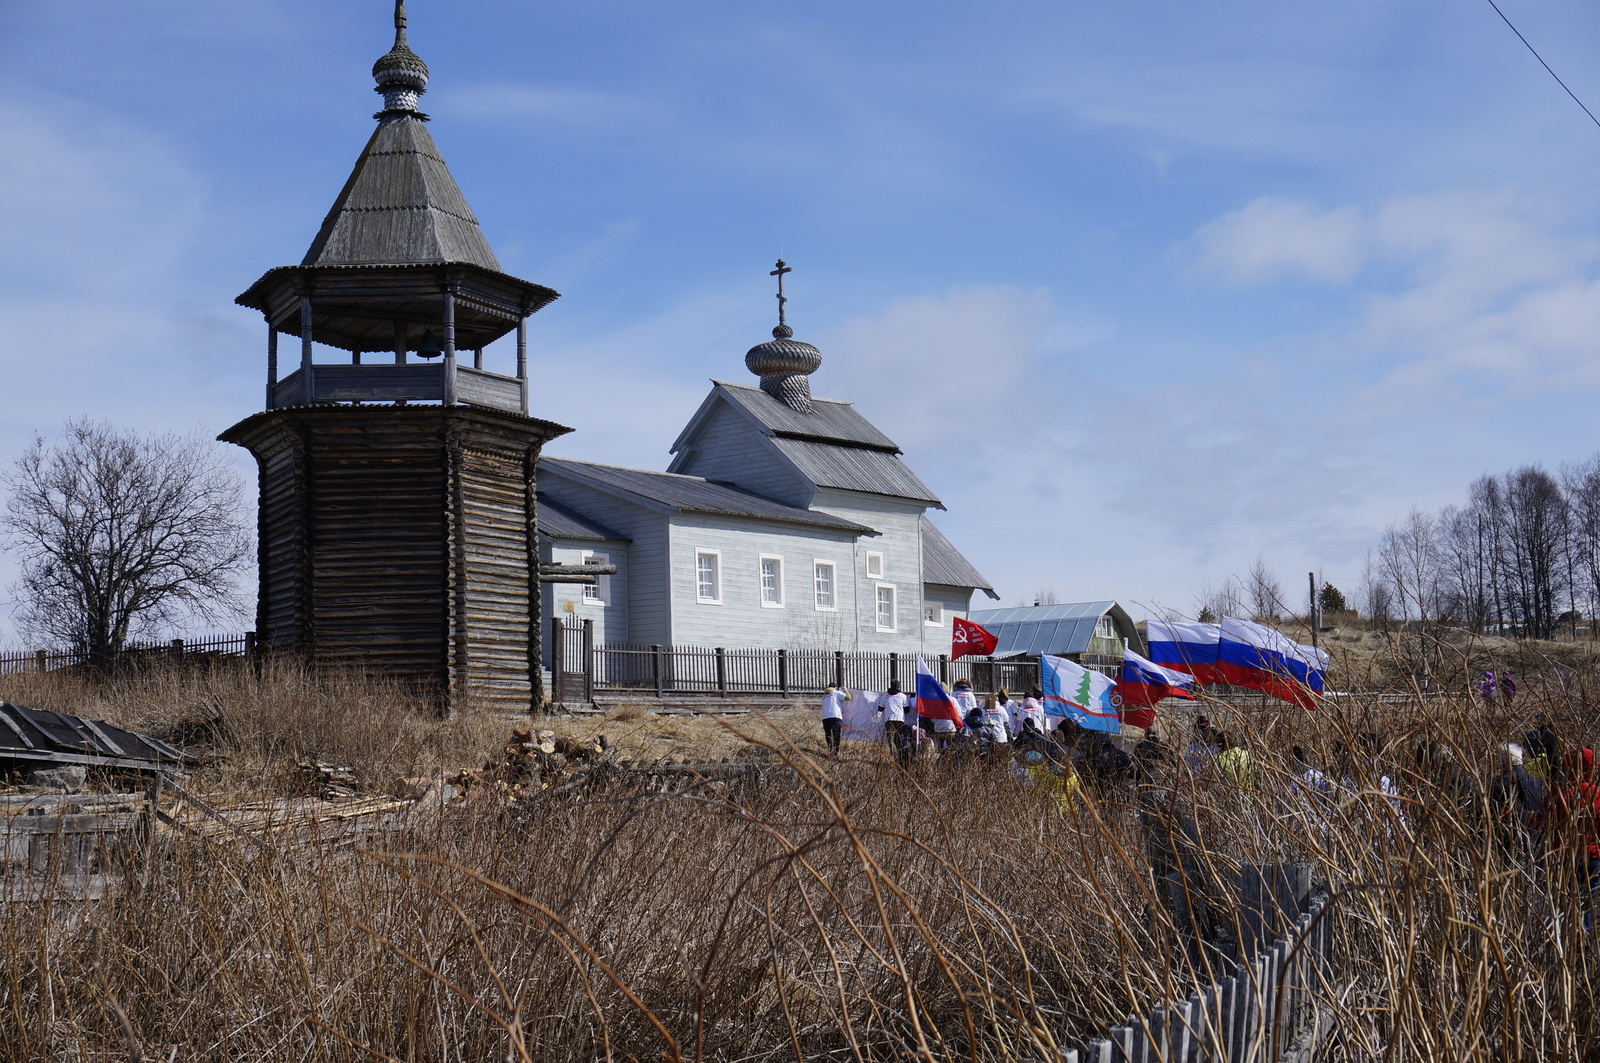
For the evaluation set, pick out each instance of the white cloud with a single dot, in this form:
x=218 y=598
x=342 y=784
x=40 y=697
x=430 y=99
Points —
x=1270 y=238
x=930 y=365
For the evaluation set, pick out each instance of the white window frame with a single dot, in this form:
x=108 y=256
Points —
x=894 y=607
x=833 y=585
x=938 y=614
x=716 y=558
x=874 y=565
x=1108 y=624
x=601 y=587
x=761 y=579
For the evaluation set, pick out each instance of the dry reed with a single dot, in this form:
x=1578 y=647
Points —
x=822 y=910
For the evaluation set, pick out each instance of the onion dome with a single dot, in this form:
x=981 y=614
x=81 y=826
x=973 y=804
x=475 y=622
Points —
x=401 y=74
x=784 y=363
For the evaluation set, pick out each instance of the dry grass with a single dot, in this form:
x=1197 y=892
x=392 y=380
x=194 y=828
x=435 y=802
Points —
x=823 y=911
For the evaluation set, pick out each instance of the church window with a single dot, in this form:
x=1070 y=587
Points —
x=772 y=581
x=824 y=580
x=874 y=566
x=885 y=607
x=932 y=614
x=595 y=593
x=708 y=577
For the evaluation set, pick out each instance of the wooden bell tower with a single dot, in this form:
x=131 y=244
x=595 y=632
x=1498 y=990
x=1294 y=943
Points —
x=397 y=484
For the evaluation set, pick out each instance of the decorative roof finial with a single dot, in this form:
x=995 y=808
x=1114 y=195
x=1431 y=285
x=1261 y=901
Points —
x=401 y=75
x=778 y=273
x=783 y=363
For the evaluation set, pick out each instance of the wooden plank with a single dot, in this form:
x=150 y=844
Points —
x=80 y=823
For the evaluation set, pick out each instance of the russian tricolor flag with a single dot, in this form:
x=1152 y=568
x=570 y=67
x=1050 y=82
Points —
x=933 y=700
x=1240 y=653
x=1144 y=683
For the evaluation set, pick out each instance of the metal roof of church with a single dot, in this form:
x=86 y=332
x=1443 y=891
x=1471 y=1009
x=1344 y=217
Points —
x=854 y=469
x=942 y=563
x=559 y=522
x=832 y=446
x=401 y=207
x=691 y=494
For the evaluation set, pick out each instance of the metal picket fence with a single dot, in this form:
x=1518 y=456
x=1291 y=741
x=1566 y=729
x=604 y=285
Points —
x=135 y=655
x=1265 y=1012
x=583 y=666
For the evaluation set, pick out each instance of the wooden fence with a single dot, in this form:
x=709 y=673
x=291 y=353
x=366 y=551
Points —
x=135 y=655
x=1266 y=1011
x=581 y=667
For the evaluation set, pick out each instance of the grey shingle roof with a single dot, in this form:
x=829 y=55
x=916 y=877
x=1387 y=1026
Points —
x=942 y=563
x=561 y=522
x=400 y=207
x=831 y=421
x=691 y=494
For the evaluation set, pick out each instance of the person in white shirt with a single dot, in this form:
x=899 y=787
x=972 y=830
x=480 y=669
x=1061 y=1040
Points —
x=994 y=721
x=944 y=727
x=892 y=709
x=1013 y=709
x=833 y=718
x=1033 y=709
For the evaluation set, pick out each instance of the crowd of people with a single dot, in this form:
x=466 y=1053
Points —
x=1539 y=797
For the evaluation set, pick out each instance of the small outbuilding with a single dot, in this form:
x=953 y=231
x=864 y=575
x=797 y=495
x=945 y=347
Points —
x=1092 y=633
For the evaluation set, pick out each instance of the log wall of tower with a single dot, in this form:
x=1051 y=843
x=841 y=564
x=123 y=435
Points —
x=398 y=539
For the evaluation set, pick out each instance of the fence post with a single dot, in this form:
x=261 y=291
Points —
x=655 y=667
x=722 y=672
x=894 y=668
x=177 y=648
x=588 y=662
x=38 y=660
x=944 y=668
x=558 y=659
x=783 y=672
x=249 y=644
x=838 y=669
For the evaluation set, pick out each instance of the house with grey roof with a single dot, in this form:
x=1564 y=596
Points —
x=782 y=520
x=1092 y=633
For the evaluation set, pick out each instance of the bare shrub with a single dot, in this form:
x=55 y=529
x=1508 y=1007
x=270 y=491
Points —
x=844 y=911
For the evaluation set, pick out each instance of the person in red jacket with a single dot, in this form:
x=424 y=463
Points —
x=1574 y=812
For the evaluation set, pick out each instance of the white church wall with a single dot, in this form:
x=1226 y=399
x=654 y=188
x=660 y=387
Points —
x=899 y=543
x=649 y=608
x=737 y=616
x=606 y=603
x=947 y=602
x=729 y=447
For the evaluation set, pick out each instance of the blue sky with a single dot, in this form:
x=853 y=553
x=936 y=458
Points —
x=1145 y=290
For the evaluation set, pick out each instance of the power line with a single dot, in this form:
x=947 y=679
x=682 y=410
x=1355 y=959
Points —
x=1542 y=63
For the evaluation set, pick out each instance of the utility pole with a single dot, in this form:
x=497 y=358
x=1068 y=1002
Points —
x=1311 y=578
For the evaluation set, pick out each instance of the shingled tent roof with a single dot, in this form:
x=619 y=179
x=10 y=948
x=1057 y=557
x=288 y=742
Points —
x=400 y=207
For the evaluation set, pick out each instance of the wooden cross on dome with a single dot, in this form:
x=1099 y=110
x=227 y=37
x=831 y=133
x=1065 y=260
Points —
x=778 y=273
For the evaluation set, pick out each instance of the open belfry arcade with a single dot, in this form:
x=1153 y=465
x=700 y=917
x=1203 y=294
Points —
x=397 y=487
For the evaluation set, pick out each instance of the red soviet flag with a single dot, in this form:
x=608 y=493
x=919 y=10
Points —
x=967 y=637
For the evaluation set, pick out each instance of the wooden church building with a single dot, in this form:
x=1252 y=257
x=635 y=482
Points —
x=408 y=522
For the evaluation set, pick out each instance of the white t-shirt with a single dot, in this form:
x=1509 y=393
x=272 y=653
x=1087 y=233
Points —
x=965 y=700
x=1032 y=710
x=994 y=718
x=1013 y=710
x=833 y=706
x=893 y=707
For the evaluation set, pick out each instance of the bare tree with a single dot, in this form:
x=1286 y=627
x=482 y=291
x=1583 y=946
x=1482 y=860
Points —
x=1377 y=598
x=1537 y=537
x=119 y=533
x=1408 y=558
x=1266 y=593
